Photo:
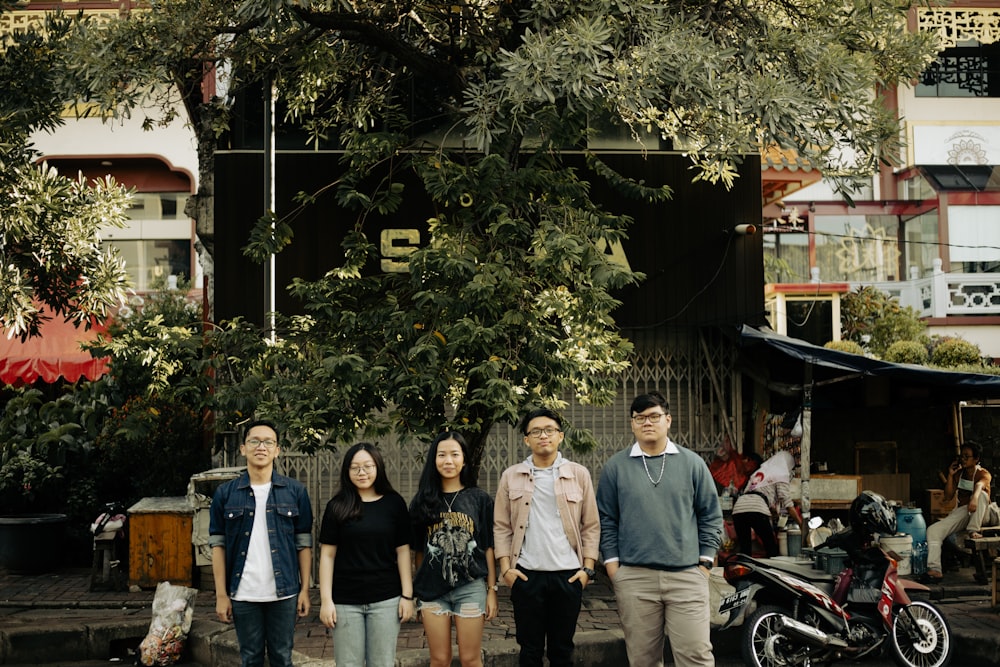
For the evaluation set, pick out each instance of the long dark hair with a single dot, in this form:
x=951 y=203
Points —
x=428 y=502
x=346 y=503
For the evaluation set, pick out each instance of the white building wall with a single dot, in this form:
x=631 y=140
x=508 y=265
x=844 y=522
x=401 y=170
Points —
x=91 y=137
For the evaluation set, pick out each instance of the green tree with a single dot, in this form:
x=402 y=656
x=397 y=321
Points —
x=509 y=303
x=52 y=262
x=875 y=320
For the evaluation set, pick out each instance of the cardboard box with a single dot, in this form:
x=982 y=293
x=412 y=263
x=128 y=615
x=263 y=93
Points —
x=935 y=502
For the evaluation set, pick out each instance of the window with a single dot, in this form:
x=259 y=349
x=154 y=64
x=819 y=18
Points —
x=152 y=261
x=970 y=69
x=156 y=243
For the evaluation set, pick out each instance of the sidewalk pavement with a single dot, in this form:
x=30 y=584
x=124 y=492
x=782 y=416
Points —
x=54 y=619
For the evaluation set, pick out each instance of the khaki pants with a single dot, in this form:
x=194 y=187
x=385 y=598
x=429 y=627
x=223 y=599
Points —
x=957 y=520
x=654 y=603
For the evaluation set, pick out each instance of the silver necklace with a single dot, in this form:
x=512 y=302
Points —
x=454 y=498
x=663 y=466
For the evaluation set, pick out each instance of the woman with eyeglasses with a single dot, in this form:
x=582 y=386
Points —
x=971 y=483
x=365 y=574
x=453 y=538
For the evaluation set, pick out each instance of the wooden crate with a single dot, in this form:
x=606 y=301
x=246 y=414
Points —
x=830 y=492
x=936 y=506
x=891 y=486
x=160 y=542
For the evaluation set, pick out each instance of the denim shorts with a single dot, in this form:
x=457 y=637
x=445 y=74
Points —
x=466 y=601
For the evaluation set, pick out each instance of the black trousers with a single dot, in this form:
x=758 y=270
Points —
x=546 y=607
x=761 y=524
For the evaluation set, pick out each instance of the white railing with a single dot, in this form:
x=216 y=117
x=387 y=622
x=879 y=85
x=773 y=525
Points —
x=943 y=294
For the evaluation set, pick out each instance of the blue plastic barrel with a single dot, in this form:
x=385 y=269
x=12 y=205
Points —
x=910 y=520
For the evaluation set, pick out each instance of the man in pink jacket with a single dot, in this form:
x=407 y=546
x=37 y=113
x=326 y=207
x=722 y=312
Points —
x=546 y=535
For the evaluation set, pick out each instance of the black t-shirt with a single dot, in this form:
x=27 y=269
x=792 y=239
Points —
x=365 y=568
x=455 y=547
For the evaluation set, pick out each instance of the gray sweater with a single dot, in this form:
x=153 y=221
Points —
x=666 y=527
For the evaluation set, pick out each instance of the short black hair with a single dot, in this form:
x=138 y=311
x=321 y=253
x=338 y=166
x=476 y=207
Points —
x=535 y=414
x=261 y=422
x=649 y=400
x=977 y=449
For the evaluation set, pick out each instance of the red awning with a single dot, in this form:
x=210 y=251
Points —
x=53 y=354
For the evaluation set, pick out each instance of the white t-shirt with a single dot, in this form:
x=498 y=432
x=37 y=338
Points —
x=546 y=547
x=257 y=583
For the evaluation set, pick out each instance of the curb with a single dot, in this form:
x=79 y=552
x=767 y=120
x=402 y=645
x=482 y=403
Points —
x=213 y=643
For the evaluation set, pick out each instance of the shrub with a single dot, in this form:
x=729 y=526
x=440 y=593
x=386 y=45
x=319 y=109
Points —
x=954 y=352
x=871 y=312
x=907 y=352
x=845 y=346
x=149 y=447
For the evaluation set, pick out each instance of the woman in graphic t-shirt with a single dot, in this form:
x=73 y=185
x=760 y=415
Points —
x=453 y=538
x=365 y=573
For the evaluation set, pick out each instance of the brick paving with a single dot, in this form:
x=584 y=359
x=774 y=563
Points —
x=69 y=592
x=32 y=605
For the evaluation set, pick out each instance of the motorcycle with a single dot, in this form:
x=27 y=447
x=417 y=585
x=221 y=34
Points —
x=790 y=619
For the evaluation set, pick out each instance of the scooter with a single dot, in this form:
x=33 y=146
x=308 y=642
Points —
x=791 y=619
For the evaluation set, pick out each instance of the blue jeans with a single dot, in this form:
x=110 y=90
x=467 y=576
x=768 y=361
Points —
x=466 y=601
x=365 y=634
x=265 y=626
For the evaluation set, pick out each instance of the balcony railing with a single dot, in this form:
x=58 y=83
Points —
x=943 y=294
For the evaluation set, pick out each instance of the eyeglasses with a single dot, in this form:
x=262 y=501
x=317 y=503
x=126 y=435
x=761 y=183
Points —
x=654 y=418
x=254 y=443
x=537 y=432
x=367 y=467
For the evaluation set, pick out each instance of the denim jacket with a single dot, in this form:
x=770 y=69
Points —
x=289 y=528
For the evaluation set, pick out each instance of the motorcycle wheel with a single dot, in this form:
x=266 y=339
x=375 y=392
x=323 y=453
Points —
x=762 y=645
x=927 y=645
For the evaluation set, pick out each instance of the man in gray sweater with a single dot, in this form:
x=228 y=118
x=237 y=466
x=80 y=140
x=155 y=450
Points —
x=661 y=526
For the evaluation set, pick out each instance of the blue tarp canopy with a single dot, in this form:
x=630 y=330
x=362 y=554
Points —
x=779 y=362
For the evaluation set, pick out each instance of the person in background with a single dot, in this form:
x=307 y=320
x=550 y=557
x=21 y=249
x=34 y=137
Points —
x=971 y=482
x=661 y=527
x=365 y=573
x=260 y=531
x=453 y=537
x=766 y=493
x=546 y=535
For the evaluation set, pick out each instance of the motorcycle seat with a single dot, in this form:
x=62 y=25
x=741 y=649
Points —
x=803 y=570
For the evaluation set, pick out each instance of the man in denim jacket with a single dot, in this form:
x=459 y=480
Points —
x=260 y=532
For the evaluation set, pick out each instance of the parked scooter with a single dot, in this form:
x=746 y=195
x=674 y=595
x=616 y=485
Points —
x=789 y=620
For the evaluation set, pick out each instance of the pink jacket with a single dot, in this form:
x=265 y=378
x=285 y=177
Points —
x=577 y=509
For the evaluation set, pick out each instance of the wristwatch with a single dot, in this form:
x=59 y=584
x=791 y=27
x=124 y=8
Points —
x=704 y=562
x=590 y=573
x=496 y=587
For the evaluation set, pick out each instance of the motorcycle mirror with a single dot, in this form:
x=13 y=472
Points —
x=815 y=522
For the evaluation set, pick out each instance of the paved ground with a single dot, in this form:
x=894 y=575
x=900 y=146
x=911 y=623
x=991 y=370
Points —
x=54 y=619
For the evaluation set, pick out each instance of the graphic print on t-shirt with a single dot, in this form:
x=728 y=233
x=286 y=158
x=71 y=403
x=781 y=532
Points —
x=451 y=546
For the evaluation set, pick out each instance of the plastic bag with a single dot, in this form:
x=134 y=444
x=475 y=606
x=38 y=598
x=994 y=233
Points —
x=729 y=467
x=173 y=610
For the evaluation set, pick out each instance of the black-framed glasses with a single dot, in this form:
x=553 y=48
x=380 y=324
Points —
x=654 y=418
x=254 y=443
x=538 y=432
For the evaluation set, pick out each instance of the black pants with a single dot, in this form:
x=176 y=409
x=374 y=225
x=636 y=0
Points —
x=761 y=524
x=546 y=607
